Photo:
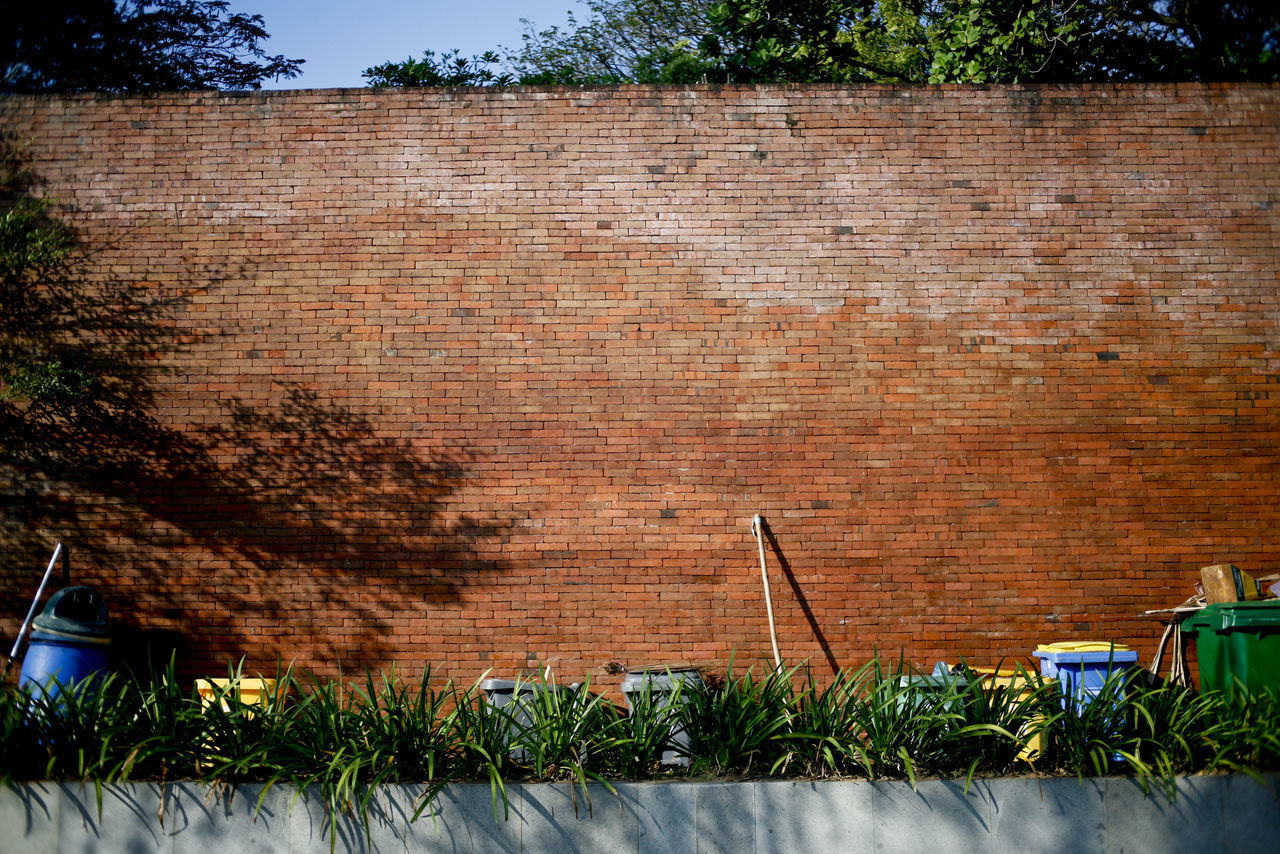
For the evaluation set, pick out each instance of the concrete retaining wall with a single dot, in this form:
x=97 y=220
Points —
x=1228 y=813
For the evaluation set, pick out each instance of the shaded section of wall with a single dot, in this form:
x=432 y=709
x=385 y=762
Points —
x=497 y=379
x=1067 y=816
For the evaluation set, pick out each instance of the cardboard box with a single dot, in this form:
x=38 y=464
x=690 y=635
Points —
x=1223 y=582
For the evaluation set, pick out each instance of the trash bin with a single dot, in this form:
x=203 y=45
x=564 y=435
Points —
x=1237 y=643
x=1017 y=681
x=501 y=693
x=69 y=641
x=919 y=692
x=513 y=699
x=1082 y=667
x=666 y=690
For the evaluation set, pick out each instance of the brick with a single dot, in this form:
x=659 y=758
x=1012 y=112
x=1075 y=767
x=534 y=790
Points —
x=499 y=381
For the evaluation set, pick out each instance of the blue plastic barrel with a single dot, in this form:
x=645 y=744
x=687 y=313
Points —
x=69 y=643
x=54 y=662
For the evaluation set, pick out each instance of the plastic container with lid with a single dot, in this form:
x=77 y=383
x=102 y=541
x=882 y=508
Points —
x=69 y=641
x=1083 y=667
x=665 y=689
x=1238 y=645
x=513 y=700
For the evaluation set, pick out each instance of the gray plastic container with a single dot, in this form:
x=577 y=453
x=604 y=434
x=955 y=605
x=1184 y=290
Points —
x=666 y=687
x=514 y=698
x=923 y=689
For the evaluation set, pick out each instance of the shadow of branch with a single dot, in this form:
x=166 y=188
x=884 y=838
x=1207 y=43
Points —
x=269 y=526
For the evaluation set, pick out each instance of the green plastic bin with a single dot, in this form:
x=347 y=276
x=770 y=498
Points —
x=1238 y=642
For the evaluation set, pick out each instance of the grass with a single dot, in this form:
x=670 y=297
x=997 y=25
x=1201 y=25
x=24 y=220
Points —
x=339 y=742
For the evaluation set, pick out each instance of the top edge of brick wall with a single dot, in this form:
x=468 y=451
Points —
x=1051 y=90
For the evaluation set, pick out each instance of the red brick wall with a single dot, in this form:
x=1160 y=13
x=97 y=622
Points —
x=497 y=379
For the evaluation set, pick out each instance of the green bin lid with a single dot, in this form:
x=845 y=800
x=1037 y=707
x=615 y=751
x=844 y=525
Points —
x=1226 y=616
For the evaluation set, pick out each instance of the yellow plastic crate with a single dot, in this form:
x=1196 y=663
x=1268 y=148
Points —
x=251 y=692
x=1016 y=680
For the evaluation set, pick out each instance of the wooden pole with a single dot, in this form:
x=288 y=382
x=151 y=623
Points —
x=757 y=523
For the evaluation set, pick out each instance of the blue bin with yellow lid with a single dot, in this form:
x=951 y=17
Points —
x=1083 y=667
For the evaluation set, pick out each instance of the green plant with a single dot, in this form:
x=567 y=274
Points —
x=995 y=725
x=737 y=725
x=1250 y=741
x=17 y=750
x=339 y=742
x=1089 y=736
x=900 y=725
x=481 y=733
x=651 y=728
x=824 y=740
x=571 y=734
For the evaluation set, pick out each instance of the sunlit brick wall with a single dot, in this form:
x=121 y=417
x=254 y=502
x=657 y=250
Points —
x=497 y=379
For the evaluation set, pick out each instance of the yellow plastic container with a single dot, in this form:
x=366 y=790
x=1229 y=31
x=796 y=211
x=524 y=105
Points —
x=1017 y=680
x=250 y=692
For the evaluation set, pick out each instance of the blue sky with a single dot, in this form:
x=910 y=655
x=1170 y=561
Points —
x=341 y=38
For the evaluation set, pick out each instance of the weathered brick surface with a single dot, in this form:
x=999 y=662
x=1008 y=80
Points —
x=497 y=379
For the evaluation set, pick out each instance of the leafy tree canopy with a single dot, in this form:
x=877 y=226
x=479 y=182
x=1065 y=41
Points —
x=845 y=41
x=449 y=69
x=645 y=41
x=1002 y=41
x=135 y=45
x=818 y=41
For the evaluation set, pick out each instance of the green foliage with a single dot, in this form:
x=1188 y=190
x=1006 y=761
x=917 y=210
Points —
x=939 y=41
x=53 y=381
x=817 y=41
x=338 y=742
x=449 y=69
x=738 y=726
x=622 y=41
x=33 y=246
x=678 y=63
x=134 y=46
x=980 y=41
x=30 y=241
x=649 y=729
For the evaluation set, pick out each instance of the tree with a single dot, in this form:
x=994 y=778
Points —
x=1007 y=41
x=135 y=45
x=940 y=41
x=450 y=69
x=812 y=41
x=1183 y=40
x=979 y=41
x=623 y=41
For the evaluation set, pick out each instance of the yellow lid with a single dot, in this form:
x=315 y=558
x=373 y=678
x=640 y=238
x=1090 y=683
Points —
x=1083 y=646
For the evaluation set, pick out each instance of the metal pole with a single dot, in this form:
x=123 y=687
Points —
x=35 y=603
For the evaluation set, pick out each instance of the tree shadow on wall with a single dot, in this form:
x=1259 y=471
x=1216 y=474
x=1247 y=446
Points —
x=312 y=530
x=294 y=527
